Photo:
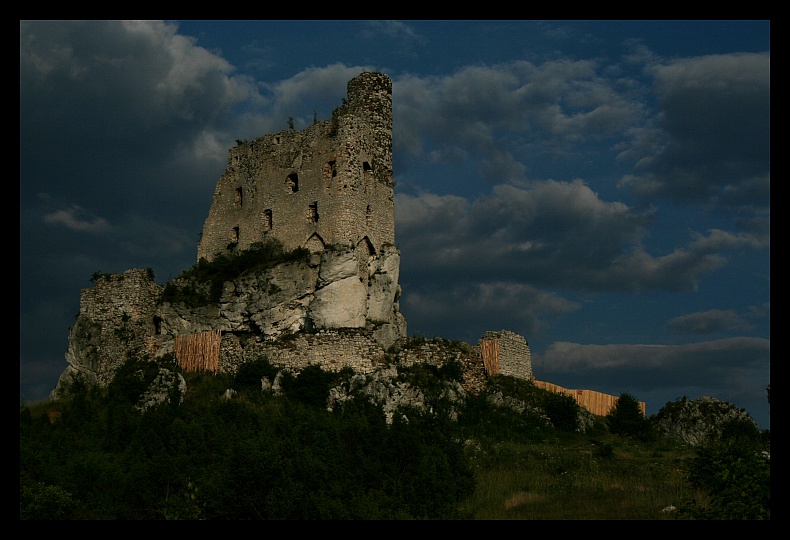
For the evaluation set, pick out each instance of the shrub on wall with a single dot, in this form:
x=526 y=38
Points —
x=250 y=374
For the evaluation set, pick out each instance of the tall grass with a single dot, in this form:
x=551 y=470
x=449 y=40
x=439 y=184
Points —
x=575 y=477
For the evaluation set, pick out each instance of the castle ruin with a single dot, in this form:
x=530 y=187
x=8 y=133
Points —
x=329 y=184
x=328 y=189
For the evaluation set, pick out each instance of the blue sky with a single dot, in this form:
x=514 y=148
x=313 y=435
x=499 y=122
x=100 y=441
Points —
x=600 y=187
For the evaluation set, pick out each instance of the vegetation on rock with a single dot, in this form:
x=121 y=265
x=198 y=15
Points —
x=202 y=284
x=702 y=420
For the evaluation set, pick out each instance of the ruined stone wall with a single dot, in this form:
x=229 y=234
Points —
x=331 y=349
x=116 y=321
x=514 y=357
x=117 y=298
x=440 y=351
x=330 y=183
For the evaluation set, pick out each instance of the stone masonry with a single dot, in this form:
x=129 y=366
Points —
x=117 y=320
x=329 y=184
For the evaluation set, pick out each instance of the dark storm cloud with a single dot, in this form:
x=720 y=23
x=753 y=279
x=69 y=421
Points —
x=112 y=104
x=715 y=117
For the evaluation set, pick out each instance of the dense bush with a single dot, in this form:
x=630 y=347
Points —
x=250 y=374
x=254 y=456
x=42 y=502
x=736 y=475
x=481 y=418
x=562 y=410
x=311 y=386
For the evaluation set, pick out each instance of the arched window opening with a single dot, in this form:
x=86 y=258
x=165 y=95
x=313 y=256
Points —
x=315 y=244
x=312 y=213
x=239 y=193
x=366 y=171
x=292 y=182
x=267 y=220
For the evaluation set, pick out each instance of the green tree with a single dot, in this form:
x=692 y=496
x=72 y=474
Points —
x=311 y=386
x=626 y=417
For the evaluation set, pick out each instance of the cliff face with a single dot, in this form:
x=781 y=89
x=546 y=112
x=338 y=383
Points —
x=332 y=290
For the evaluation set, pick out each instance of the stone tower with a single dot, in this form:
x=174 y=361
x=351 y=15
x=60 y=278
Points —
x=328 y=184
x=506 y=353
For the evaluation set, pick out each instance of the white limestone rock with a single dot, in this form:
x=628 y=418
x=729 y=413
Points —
x=340 y=304
x=337 y=265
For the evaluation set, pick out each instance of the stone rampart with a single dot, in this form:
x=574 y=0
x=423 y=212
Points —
x=117 y=298
x=331 y=349
x=117 y=321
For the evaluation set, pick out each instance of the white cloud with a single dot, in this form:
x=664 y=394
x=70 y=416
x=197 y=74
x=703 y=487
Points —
x=76 y=219
x=707 y=322
x=707 y=357
x=492 y=112
x=575 y=240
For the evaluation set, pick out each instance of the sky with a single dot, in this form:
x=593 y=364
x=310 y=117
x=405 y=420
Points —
x=601 y=188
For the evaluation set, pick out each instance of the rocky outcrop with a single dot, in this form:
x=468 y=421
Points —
x=388 y=389
x=338 y=288
x=166 y=386
x=343 y=299
x=700 y=421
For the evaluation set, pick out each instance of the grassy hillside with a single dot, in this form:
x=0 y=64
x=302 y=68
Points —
x=281 y=455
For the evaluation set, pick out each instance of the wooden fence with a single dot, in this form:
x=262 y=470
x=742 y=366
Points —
x=489 y=350
x=596 y=402
x=198 y=352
